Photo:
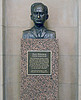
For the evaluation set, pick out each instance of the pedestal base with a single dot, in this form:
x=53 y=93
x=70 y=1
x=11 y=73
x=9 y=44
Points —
x=39 y=87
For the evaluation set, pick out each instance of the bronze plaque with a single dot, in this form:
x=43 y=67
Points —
x=39 y=62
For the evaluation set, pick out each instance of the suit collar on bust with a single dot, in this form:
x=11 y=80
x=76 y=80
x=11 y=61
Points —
x=38 y=32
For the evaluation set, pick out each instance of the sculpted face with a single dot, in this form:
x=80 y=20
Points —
x=39 y=15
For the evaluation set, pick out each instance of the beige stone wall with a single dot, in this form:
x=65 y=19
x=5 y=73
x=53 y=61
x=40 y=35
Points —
x=79 y=86
x=1 y=53
x=63 y=18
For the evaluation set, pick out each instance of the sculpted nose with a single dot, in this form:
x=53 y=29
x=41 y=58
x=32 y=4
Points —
x=38 y=15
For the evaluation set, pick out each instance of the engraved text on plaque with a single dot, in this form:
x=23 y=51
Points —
x=39 y=62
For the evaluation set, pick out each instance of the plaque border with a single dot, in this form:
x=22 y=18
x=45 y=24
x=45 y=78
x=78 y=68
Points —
x=50 y=60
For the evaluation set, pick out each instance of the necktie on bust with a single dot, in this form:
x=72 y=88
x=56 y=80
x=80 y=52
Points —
x=39 y=33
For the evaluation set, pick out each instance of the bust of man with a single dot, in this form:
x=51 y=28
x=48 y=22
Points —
x=39 y=14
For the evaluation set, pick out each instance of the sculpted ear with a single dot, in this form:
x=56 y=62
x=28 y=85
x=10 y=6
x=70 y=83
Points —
x=47 y=17
x=31 y=17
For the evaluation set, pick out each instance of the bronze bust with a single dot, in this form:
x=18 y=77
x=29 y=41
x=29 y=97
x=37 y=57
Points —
x=39 y=14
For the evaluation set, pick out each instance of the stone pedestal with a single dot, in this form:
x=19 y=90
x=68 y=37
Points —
x=39 y=87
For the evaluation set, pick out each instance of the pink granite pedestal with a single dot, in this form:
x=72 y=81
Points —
x=39 y=87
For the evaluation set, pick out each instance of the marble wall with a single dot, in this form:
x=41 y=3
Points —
x=63 y=18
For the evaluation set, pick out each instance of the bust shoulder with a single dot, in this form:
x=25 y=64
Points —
x=26 y=33
x=52 y=34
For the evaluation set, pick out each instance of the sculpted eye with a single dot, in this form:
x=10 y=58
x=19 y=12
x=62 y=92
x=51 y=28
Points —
x=35 y=13
x=41 y=13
